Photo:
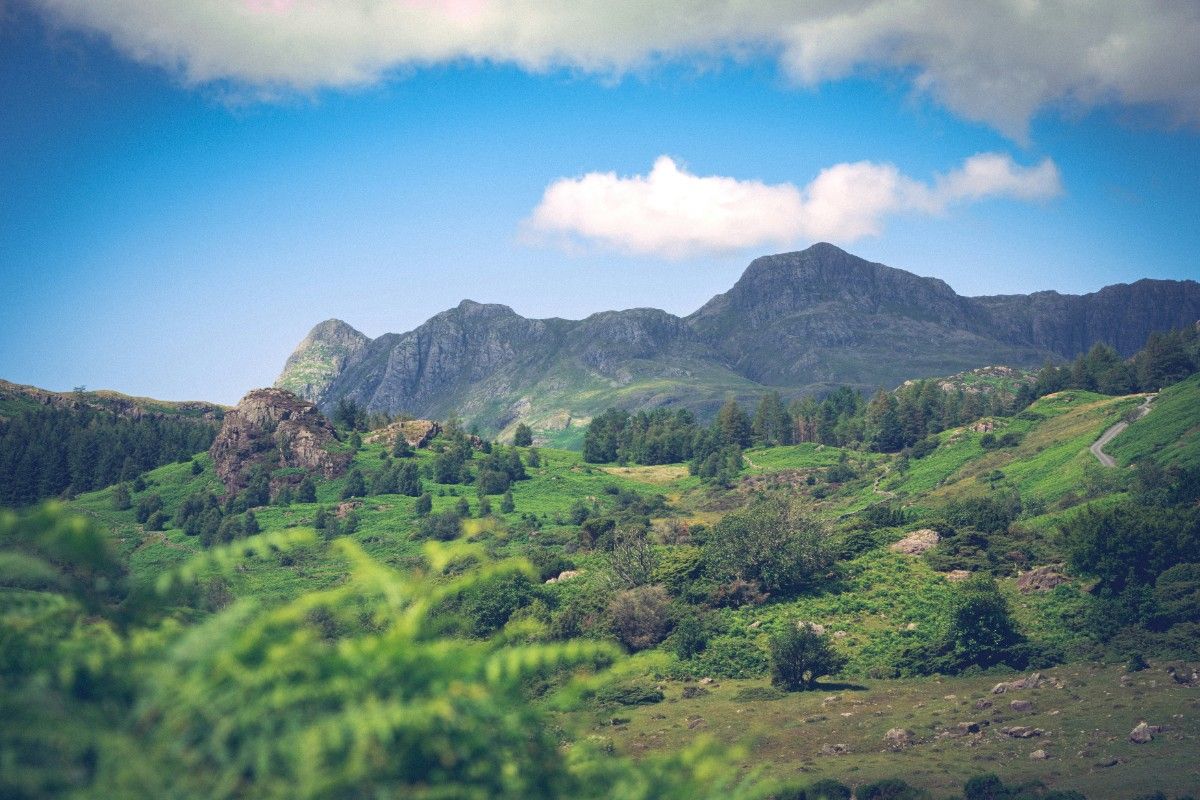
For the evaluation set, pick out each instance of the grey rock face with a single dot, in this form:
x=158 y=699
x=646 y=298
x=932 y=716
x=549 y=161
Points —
x=800 y=322
x=277 y=430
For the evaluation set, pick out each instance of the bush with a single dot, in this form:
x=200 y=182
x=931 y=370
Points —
x=640 y=617
x=890 y=789
x=734 y=657
x=443 y=526
x=488 y=603
x=828 y=789
x=630 y=694
x=799 y=655
x=690 y=637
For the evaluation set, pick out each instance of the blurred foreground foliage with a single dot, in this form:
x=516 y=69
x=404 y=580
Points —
x=109 y=689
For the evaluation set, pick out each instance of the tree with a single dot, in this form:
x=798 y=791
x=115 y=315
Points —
x=423 y=505
x=633 y=559
x=980 y=629
x=120 y=498
x=799 y=656
x=463 y=507
x=779 y=545
x=523 y=436
x=734 y=425
x=507 y=506
x=197 y=468
x=772 y=424
x=307 y=491
x=408 y=479
x=356 y=485
x=402 y=449
x=250 y=524
x=640 y=617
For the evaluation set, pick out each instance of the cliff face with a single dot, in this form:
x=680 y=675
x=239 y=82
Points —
x=277 y=430
x=1122 y=315
x=800 y=322
x=328 y=350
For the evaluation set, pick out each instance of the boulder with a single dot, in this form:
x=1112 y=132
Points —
x=897 y=738
x=1144 y=733
x=916 y=542
x=834 y=749
x=1040 y=579
x=1021 y=732
x=1039 y=755
x=565 y=575
x=1032 y=681
x=1021 y=706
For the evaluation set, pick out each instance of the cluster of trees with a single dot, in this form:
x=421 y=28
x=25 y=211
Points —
x=888 y=422
x=52 y=451
x=1145 y=556
x=1166 y=358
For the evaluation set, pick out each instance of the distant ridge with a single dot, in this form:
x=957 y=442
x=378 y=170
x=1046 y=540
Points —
x=798 y=322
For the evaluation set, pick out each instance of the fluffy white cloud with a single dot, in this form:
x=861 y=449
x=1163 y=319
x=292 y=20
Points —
x=672 y=213
x=996 y=61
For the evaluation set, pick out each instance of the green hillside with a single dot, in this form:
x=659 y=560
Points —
x=643 y=554
x=1168 y=435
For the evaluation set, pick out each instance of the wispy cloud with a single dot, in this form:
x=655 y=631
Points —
x=995 y=61
x=673 y=213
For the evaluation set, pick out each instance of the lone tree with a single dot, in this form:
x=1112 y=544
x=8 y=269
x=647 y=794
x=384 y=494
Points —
x=523 y=436
x=800 y=655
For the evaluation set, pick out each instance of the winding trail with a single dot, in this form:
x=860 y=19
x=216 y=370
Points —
x=1097 y=447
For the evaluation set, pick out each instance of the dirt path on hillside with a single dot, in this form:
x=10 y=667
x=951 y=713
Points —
x=1097 y=447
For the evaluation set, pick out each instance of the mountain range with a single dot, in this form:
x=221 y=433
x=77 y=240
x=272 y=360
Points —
x=799 y=322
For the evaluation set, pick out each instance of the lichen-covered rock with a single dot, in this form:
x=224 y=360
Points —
x=916 y=542
x=1040 y=579
x=1144 y=733
x=417 y=432
x=897 y=738
x=288 y=436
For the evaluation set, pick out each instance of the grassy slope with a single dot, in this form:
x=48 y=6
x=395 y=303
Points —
x=880 y=594
x=1170 y=433
x=1086 y=722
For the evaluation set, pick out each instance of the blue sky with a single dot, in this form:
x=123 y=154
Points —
x=172 y=222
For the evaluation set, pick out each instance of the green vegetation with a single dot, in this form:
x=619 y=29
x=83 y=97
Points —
x=472 y=619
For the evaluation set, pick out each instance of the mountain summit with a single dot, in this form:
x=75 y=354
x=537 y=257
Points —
x=798 y=322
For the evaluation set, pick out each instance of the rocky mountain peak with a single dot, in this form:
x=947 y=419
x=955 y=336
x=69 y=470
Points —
x=328 y=349
x=277 y=430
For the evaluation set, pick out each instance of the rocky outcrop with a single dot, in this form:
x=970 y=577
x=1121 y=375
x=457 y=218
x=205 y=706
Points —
x=417 y=432
x=916 y=543
x=1040 y=579
x=284 y=434
x=17 y=396
x=328 y=350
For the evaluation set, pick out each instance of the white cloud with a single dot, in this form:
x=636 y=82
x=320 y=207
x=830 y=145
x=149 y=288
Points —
x=674 y=214
x=995 y=61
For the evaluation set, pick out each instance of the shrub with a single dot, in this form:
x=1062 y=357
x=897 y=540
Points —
x=799 y=655
x=640 y=617
x=638 y=693
x=690 y=637
x=356 y=485
x=890 y=789
x=731 y=657
x=489 y=602
x=443 y=526
x=828 y=789
x=423 y=505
